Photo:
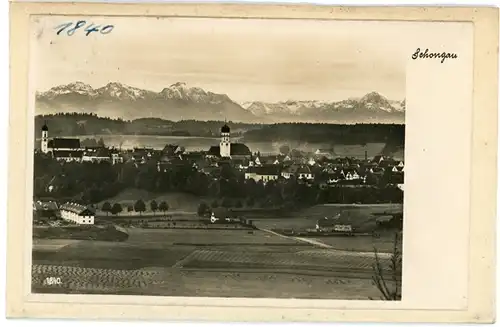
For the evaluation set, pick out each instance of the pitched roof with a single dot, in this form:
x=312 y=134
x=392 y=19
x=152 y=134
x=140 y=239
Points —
x=67 y=154
x=170 y=149
x=265 y=170
x=76 y=208
x=64 y=143
x=237 y=149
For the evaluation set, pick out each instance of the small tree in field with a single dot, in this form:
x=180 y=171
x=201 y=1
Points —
x=140 y=207
x=388 y=281
x=106 y=207
x=154 y=206
x=130 y=208
x=163 y=207
x=116 y=209
x=202 y=209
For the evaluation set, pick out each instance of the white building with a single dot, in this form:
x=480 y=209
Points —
x=263 y=173
x=77 y=213
x=116 y=158
x=225 y=142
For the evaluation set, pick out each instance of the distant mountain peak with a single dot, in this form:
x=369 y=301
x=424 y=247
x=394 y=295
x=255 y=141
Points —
x=78 y=88
x=179 y=101
x=179 y=85
x=372 y=96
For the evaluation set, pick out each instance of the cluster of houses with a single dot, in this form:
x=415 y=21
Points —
x=320 y=166
x=328 y=171
x=72 y=212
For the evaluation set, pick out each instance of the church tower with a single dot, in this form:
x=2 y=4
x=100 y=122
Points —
x=45 y=138
x=225 y=141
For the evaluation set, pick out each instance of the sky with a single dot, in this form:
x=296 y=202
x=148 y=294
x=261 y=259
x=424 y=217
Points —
x=247 y=59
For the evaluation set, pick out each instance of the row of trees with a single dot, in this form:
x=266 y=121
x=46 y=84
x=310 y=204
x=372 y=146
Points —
x=139 y=206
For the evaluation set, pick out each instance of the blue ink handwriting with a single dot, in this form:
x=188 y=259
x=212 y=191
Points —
x=72 y=27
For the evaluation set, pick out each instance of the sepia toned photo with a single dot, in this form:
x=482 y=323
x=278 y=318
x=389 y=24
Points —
x=285 y=163
x=221 y=162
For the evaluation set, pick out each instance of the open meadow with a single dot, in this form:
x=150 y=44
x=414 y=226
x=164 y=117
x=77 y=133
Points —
x=202 y=262
x=360 y=217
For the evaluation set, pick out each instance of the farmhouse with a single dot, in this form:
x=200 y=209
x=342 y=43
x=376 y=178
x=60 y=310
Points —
x=333 y=225
x=99 y=154
x=263 y=173
x=77 y=213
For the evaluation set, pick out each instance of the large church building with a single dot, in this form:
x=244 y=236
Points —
x=226 y=149
x=64 y=149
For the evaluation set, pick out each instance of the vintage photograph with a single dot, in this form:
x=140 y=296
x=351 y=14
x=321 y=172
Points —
x=218 y=157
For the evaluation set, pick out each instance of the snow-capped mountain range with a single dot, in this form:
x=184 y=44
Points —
x=181 y=102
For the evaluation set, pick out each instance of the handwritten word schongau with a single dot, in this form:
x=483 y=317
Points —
x=433 y=55
x=87 y=28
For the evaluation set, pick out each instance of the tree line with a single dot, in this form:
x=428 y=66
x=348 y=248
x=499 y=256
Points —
x=71 y=124
x=64 y=124
x=139 y=206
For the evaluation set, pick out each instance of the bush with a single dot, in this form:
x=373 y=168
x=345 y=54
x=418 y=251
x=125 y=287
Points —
x=389 y=292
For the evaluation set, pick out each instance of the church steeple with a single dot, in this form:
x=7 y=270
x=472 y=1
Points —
x=225 y=142
x=44 y=143
x=225 y=129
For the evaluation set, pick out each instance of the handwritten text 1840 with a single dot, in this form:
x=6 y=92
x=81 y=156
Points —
x=71 y=27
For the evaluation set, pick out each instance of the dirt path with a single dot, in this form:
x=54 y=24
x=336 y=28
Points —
x=332 y=249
